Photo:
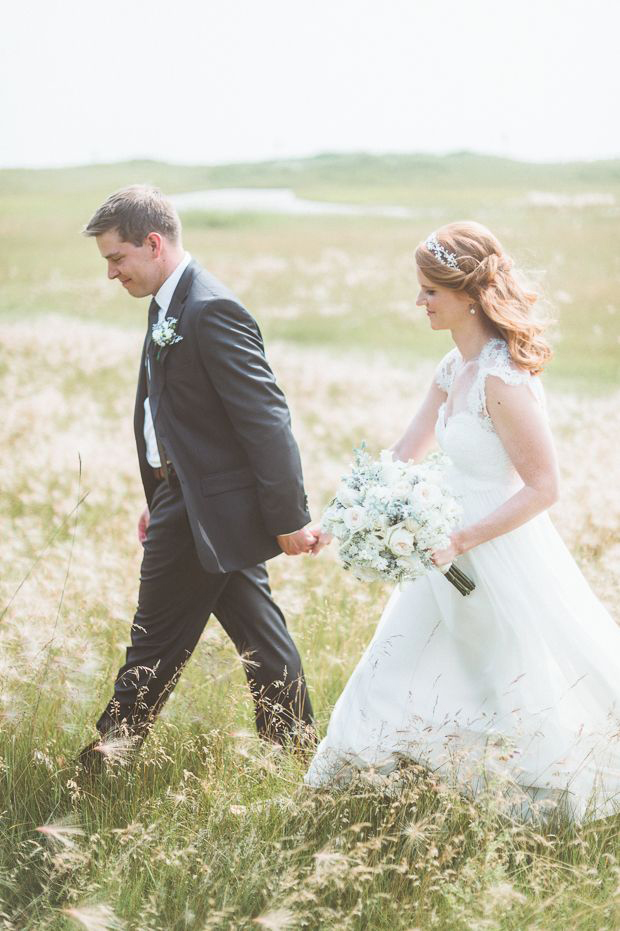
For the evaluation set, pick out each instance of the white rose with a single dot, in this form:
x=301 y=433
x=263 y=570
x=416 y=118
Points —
x=413 y=564
x=436 y=522
x=355 y=517
x=402 y=489
x=378 y=494
x=380 y=523
x=425 y=495
x=413 y=526
x=391 y=472
x=400 y=541
x=347 y=496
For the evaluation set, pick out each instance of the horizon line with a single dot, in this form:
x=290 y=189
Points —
x=340 y=153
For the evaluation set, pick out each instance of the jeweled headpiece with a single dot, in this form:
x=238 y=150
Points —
x=441 y=253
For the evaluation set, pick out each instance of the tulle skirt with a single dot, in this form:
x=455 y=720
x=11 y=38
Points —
x=515 y=686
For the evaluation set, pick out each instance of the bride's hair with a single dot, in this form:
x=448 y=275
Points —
x=485 y=274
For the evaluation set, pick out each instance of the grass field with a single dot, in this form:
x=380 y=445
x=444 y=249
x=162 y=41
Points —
x=333 y=281
x=208 y=828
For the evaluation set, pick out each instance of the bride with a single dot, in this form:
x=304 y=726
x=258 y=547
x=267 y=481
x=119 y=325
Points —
x=518 y=684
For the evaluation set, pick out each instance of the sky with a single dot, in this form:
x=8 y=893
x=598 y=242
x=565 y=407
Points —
x=244 y=80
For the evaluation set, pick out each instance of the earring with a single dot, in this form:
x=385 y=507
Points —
x=472 y=310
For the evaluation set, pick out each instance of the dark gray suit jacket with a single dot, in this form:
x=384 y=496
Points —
x=225 y=426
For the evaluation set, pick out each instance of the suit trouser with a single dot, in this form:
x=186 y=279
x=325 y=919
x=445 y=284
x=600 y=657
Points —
x=175 y=601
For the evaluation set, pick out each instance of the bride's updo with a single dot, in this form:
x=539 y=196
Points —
x=484 y=273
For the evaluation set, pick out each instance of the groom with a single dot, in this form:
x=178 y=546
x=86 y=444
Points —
x=222 y=478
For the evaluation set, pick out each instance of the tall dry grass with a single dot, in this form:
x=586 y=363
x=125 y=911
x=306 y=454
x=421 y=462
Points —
x=207 y=827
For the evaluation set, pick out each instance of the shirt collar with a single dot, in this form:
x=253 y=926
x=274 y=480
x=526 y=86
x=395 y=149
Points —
x=164 y=295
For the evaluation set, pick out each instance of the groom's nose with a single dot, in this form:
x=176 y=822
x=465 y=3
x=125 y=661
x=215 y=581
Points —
x=112 y=271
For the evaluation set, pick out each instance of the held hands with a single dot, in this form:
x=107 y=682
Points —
x=323 y=539
x=301 y=541
x=307 y=540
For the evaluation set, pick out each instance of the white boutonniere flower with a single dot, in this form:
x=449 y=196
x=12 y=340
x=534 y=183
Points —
x=165 y=333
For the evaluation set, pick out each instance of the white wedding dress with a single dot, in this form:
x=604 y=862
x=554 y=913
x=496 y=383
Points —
x=516 y=686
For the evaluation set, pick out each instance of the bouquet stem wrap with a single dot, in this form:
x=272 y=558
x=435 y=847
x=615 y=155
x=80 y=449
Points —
x=461 y=582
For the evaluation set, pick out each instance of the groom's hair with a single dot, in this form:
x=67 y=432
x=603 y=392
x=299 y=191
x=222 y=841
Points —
x=135 y=212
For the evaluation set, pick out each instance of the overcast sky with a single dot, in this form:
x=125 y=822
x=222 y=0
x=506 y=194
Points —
x=236 y=80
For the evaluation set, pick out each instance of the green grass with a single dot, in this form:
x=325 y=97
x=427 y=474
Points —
x=347 y=282
x=208 y=828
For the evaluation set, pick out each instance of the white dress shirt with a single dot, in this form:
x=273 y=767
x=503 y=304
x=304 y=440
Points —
x=162 y=298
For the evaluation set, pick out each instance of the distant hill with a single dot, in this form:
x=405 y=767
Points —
x=357 y=177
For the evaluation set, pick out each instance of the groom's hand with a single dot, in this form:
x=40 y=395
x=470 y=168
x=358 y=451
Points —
x=143 y=525
x=302 y=541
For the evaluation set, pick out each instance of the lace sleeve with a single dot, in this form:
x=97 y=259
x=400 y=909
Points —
x=496 y=360
x=444 y=375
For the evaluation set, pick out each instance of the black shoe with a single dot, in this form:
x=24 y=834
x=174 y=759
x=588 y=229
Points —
x=90 y=757
x=116 y=748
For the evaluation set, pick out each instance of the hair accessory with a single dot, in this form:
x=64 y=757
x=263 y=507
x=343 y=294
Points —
x=441 y=254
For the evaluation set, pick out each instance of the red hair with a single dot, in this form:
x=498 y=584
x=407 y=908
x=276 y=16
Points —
x=485 y=274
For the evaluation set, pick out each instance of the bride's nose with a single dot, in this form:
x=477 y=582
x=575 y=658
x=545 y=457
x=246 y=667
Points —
x=420 y=302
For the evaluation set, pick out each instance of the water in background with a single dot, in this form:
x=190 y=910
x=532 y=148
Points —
x=276 y=200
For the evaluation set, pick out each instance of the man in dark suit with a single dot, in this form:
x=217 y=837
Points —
x=222 y=478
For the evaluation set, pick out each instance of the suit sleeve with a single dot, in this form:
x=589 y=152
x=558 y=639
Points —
x=232 y=351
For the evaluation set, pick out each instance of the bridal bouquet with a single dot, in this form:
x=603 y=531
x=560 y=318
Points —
x=389 y=516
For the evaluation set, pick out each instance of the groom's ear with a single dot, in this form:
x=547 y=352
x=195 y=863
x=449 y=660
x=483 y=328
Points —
x=153 y=243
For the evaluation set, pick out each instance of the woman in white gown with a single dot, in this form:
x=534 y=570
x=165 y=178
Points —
x=519 y=682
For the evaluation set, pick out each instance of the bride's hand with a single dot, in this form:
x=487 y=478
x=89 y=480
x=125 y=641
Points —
x=323 y=539
x=447 y=556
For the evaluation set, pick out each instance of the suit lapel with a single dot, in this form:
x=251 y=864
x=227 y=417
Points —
x=177 y=302
x=157 y=379
x=175 y=311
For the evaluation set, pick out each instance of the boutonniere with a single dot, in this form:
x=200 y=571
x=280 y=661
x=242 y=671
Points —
x=165 y=334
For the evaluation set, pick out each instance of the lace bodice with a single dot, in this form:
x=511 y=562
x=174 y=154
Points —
x=464 y=429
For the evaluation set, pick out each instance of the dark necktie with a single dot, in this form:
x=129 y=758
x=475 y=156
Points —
x=153 y=317
x=153 y=314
